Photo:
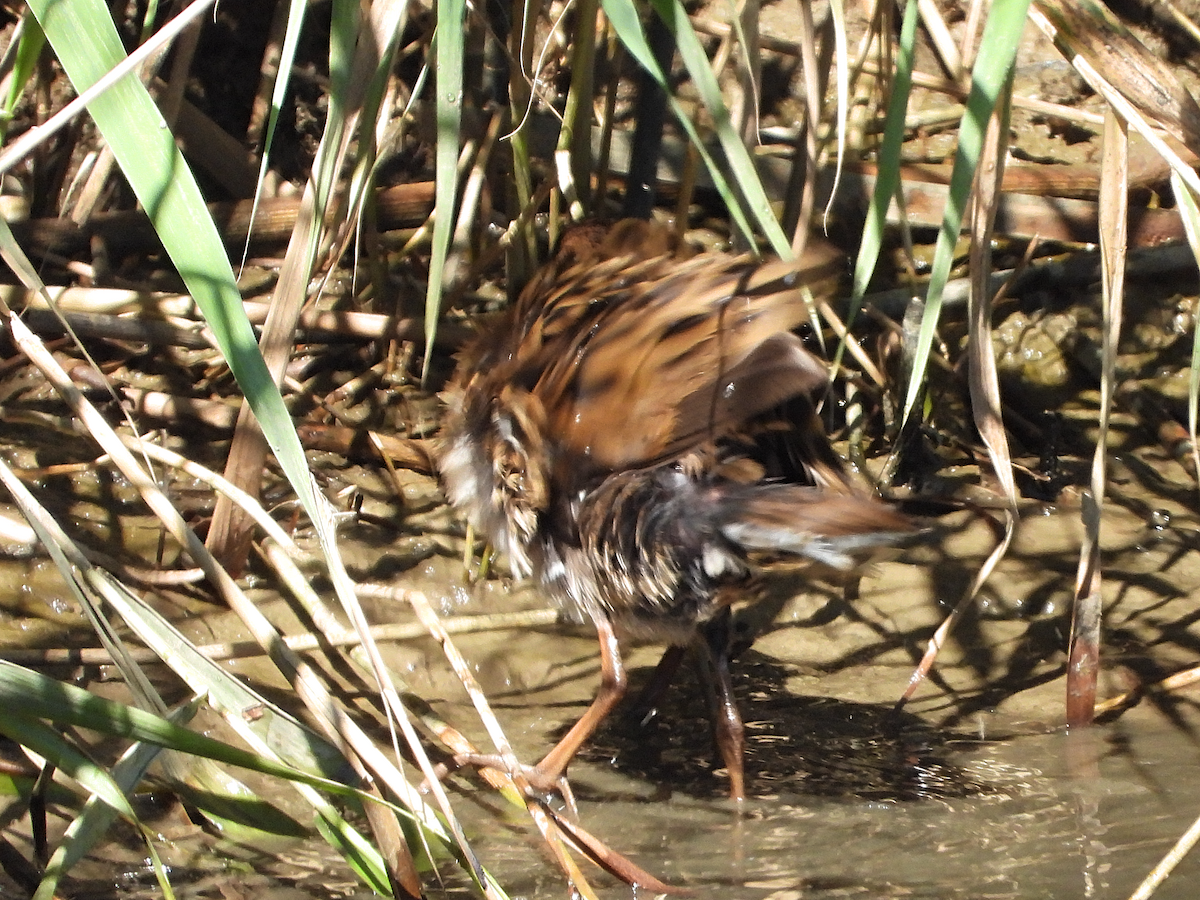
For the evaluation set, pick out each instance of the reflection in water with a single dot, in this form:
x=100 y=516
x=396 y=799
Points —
x=806 y=746
x=846 y=801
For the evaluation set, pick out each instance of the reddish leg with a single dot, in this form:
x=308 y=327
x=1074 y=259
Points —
x=549 y=775
x=728 y=731
x=613 y=684
x=645 y=707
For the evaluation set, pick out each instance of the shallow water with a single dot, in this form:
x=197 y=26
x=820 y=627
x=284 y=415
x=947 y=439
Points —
x=1033 y=815
x=1027 y=816
x=973 y=791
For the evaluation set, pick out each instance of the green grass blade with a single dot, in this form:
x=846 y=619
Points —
x=355 y=851
x=47 y=742
x=623 y=16
x=29 y=731
x=270 y=728
x=287 y=56
x=86 y=43
x=575 y=138
x=33 y=39
x=449 y=49
x=998 y=49
x=30 y=697
x=887 y=180
x=29 y=694
x=737 y=156
x=93 y=822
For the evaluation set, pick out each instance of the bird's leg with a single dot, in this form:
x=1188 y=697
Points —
x=550 y=774
x=717 y=647
x=645 y=707
x=728 y=731
x=613 y=684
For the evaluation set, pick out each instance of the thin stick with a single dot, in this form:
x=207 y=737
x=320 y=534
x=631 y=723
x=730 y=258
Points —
x=1168 y=863
x=25 y=145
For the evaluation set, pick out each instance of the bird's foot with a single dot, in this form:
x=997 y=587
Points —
x=534 y=782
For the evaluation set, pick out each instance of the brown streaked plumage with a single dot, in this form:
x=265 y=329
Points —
x=638 y=435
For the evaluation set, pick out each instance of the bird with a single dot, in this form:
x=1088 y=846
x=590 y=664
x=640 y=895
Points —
x=638 y=434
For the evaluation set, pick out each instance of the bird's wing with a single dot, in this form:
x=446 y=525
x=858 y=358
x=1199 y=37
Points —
x=638 y=358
